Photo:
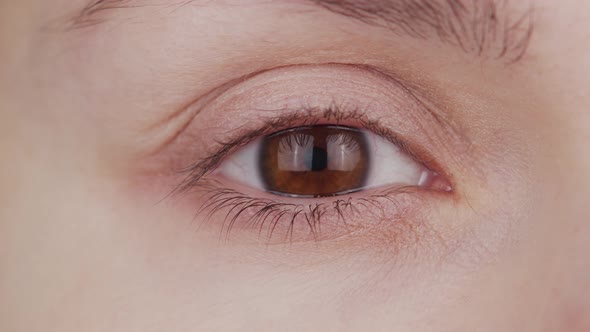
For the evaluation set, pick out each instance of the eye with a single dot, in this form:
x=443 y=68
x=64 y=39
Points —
x=325 y=160
x=293 y=155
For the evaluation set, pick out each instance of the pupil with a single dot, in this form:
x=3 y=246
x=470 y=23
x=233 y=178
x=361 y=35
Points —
x=314 y=161
x=320 y=159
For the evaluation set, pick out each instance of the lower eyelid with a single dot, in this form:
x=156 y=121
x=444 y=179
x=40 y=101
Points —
x=394 y=213
x=269 y=220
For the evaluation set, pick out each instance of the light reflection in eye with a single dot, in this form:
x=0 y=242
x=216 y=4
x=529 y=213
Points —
x=295 y=153
x=324 y=160
x=330 y=160
x=344 y=152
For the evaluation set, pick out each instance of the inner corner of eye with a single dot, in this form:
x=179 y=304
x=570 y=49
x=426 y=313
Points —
x=326 y=160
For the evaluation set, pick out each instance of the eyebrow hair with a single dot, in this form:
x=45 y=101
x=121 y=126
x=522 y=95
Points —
x=481 y=27
x=489 y=28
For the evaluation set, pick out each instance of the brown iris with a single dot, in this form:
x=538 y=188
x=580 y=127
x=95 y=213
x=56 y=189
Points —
x=314 y=161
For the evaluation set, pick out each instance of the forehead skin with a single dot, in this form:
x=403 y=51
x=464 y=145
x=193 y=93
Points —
x=84 y=247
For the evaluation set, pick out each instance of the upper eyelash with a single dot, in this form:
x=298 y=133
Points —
x=304 y=117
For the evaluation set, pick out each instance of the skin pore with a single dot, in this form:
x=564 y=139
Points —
x=108 y=108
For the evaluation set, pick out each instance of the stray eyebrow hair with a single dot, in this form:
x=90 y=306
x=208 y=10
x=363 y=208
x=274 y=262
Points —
x=489 y=28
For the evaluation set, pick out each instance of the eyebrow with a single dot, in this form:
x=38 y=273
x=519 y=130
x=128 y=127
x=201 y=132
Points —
x=482 y=27
x=485 y=28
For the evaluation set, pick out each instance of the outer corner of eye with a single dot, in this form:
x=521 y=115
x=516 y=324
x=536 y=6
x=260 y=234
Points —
x=392 y=166
x=326 y=160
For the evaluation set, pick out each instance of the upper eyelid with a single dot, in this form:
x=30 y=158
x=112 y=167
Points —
x=220 y=103
x=179 y=121
x=201 y=102
x=196 y=171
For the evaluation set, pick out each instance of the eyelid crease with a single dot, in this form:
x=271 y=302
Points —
x=188 y=111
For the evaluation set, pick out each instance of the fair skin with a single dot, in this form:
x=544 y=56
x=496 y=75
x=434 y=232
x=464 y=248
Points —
x=99 y=112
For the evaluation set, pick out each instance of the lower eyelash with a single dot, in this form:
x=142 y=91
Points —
x=268 y=216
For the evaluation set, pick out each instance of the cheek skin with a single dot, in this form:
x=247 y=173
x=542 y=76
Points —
x=355 y=283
